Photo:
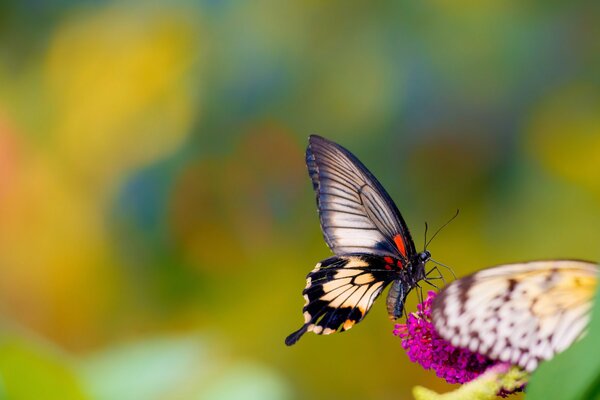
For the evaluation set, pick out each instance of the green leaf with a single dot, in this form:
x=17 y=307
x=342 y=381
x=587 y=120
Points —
x=149 y=369
x=30 y=370
x=575 y=373
x=187 y=367
x=247 y=380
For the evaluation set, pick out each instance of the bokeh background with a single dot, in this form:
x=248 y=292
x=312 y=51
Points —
x=156 y=217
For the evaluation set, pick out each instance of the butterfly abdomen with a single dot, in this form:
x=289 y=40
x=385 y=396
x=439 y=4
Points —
x=396 y=298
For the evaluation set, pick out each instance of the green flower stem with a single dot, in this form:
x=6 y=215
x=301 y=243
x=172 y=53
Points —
x=485 y=387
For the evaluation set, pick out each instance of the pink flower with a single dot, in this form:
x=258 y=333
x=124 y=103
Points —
x=426 y=347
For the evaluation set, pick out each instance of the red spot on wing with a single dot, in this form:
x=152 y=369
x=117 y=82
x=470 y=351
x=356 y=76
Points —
x=400 y=244
x=388 y=260
x=388 y=267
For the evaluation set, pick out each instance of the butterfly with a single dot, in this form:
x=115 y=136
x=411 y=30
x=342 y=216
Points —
x=370 y=240
x=521 y=313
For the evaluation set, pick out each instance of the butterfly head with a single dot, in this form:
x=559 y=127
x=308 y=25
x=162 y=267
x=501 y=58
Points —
x=416 y=271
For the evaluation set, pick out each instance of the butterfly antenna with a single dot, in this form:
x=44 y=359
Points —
x=441 y=227
x=425 y=241
x=445 y=266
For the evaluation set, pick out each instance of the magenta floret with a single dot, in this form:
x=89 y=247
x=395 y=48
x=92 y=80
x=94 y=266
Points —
x=424 y=346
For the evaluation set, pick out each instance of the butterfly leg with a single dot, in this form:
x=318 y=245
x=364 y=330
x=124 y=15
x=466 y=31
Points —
x=419 y=289
x=439 y=277
x=431 y=284
x=447 y=267
x=420 y=293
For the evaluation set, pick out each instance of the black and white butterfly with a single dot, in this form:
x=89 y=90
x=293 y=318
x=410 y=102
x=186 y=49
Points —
x=370 y=240
x=520 y=313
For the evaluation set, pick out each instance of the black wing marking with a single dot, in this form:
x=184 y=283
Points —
x=357 y=214
x=339 y=293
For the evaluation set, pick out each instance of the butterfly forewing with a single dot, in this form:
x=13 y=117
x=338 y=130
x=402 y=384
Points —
x=519 y=313
x=357 y=214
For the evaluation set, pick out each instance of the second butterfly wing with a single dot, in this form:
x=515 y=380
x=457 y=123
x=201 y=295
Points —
x=365 y=230
x=520 y=313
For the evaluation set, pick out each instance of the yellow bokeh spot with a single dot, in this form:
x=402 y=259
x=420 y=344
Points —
x=564 y=135
x=53 y=249
x=120 y=81
x=119 y=86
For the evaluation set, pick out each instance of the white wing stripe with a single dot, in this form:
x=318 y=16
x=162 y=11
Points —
x=347 y=191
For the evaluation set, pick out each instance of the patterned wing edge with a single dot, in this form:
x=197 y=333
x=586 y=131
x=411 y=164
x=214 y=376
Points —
x=489 y=312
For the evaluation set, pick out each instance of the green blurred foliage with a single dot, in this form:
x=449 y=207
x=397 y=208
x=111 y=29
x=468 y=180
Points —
x=574 y=374
x=32 y=371
x=153 y=192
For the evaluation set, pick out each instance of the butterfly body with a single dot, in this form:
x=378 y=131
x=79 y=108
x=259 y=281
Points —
x=370 y=240
x=409 y=279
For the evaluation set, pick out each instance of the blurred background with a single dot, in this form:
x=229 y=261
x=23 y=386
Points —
x=156 y=218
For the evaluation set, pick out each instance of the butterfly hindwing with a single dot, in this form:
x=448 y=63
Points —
x=519 y=313
x=340 y=291
x=357 y=214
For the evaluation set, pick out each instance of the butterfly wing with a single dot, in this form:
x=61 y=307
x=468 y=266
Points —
x=340 y=291
x=518 y=313
x=363 y=227
x=357 y=214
